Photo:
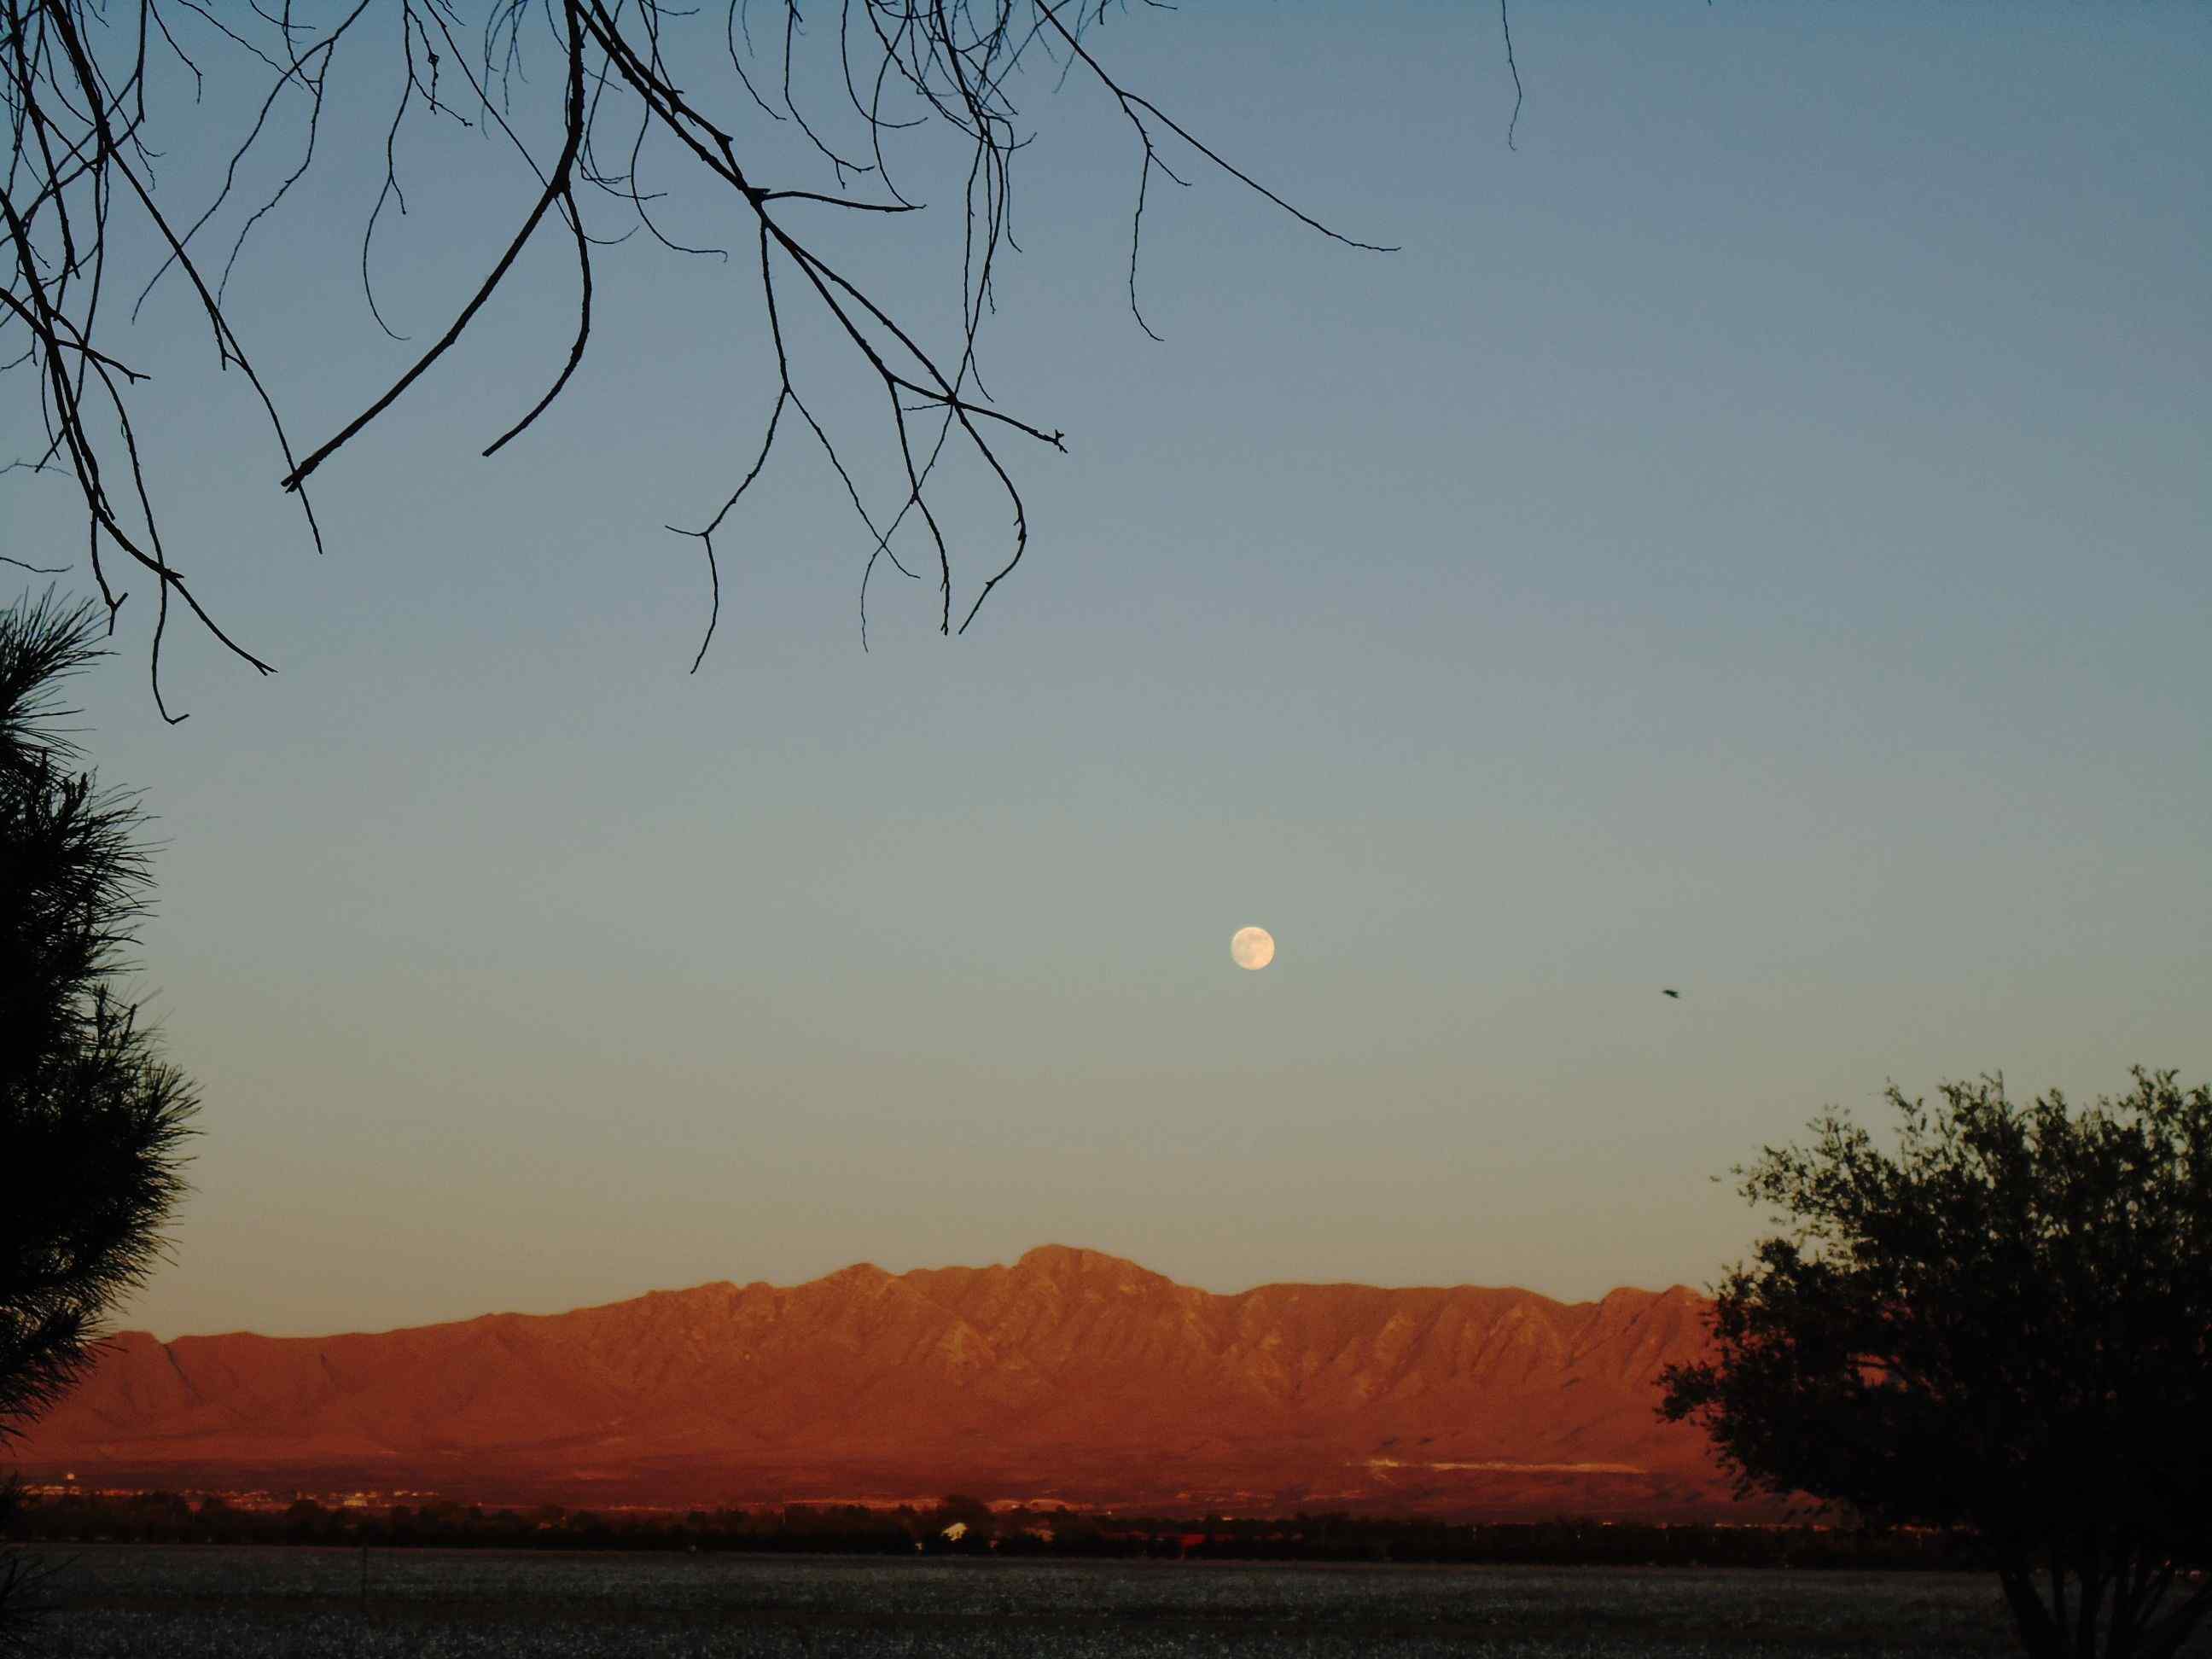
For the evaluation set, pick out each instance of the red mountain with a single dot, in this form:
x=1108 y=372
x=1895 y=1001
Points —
x=1071 y=1375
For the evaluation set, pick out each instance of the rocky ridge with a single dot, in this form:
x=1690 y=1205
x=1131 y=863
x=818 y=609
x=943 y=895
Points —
x=1071 y=1375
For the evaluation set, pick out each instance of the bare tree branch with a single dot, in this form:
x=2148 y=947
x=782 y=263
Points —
x=80 y=92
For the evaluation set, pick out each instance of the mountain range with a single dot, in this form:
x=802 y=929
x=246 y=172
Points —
x=1071 y=1376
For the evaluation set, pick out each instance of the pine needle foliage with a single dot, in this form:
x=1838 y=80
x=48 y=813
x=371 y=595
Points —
x=92 y=1119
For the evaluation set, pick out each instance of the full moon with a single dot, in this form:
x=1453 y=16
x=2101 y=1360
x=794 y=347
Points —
x=1253 y=947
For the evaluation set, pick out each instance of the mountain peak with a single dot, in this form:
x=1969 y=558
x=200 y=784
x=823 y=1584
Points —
x=1072 y=1258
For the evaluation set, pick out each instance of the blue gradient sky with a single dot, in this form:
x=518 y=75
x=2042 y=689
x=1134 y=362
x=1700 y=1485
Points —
x=1752 y=539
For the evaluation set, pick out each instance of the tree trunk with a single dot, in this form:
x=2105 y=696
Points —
x=2161 y=1638
x=2094 y=1570
x=2134 y=1587
x=2039 y=1633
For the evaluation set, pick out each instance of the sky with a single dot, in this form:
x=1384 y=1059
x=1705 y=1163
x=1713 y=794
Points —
x=1750 y=539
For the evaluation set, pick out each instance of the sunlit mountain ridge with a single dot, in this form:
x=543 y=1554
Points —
x=1071 y=1376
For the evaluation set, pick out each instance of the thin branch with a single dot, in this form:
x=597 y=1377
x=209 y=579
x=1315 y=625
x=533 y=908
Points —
x=1505 y=27
x=77 y=94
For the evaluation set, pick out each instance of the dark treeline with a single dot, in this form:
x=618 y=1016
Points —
x=966 y=1526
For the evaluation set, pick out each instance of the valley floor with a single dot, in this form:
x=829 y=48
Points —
x=184 y=1601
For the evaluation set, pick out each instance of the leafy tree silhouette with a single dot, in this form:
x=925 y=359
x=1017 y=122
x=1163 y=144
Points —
x=92 y=1119
x=2005 y=1325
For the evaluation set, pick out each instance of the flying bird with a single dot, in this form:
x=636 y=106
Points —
x=1670 y=991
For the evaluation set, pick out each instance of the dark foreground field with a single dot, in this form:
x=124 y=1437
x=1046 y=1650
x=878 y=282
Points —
x=184 y=1601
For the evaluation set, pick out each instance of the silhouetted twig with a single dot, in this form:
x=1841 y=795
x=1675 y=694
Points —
x=79 y=86
x=1505 y=27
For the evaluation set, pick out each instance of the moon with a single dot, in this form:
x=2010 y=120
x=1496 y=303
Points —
x=1253 y=948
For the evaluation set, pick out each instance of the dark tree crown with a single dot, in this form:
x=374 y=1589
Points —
x=92 y=1119
x=2006 y=1324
